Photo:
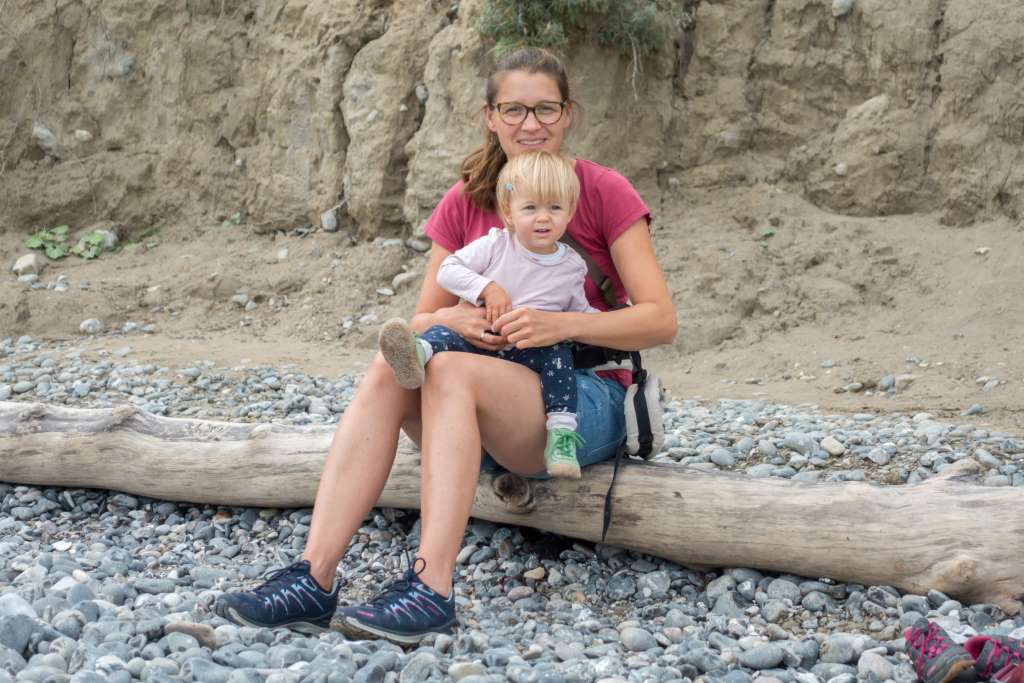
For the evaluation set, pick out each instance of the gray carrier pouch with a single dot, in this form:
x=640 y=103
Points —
x=645 y=429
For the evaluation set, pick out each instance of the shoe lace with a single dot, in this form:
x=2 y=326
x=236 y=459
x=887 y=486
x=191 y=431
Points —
x=565 y=440
x=278 y=577
x=1000 y=653
x=400 y=586
x=930 y=643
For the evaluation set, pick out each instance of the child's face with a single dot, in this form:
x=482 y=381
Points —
x=538 y=225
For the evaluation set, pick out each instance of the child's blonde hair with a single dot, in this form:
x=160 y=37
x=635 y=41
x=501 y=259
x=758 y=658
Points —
x=550 y=177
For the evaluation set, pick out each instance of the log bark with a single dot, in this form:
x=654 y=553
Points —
x=945 y=533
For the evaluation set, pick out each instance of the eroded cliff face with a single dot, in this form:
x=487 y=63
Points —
x=144 y=113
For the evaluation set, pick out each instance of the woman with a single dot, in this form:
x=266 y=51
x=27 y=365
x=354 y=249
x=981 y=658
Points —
x=495 y=404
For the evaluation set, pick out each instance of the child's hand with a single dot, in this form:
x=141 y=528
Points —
x=496 y=301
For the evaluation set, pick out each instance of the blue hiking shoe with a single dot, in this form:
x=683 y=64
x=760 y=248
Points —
x=405 y=612
x=290 y=597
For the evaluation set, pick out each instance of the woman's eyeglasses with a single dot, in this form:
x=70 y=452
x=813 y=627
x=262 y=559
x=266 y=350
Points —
x=514 y=113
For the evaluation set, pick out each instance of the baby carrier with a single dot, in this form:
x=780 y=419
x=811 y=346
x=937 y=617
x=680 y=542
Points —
x=645 y=433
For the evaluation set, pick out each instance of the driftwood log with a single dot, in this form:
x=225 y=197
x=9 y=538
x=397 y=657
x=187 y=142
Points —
x=963 y=539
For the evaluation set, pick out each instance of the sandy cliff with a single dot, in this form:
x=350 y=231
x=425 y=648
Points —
x=144 y=113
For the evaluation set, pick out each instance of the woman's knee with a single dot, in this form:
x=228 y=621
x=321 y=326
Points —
x=448 y=371
x=380 y=387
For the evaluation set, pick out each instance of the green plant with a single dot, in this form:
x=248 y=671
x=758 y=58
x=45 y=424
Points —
x=52 y=241
x=634 y=28
x=55 y=243
x=134 y=239
x=232 y=220
x=90 y=246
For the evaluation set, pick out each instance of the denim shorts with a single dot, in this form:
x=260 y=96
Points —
x=600 y=420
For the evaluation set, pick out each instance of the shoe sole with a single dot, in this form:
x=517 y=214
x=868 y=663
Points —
x=357 y=631
x=301 y=626
x=399 y=349
x=564 y=470
x=955 y=669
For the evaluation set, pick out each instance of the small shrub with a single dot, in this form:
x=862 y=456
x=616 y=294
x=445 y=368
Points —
x=633 y=28
x=90 y=246
x=53 y=241
x=232 y=220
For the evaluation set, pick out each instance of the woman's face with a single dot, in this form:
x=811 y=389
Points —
x=530 y=89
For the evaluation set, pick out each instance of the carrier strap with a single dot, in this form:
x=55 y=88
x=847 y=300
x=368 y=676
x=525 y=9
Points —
x=594 y=272
x=646 y=438
x=643 y=418
x=607 y=521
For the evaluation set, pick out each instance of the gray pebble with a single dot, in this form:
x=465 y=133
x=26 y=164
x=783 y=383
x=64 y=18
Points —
x=726 y=606
x=872 y=663
x=91 y=326
x=762 y=657
x=774 y=611
x=722 y=457
x=781 y=589
x=840 y=8
x=637 y=639
x=815 y=601
x=620 y=587
x=198 y=669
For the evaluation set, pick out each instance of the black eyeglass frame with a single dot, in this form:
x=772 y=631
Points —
x=530 y=110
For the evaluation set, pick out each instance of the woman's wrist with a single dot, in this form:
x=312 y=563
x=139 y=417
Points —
x=574 y=325
x=423 y=321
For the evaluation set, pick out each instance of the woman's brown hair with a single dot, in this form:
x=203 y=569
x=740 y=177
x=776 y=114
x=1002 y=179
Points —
x=481 y=168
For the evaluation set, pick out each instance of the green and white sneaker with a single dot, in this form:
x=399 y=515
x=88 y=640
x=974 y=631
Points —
x=403 y=352
x=560 y=453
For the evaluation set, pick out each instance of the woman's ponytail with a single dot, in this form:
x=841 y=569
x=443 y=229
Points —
x=480 y=172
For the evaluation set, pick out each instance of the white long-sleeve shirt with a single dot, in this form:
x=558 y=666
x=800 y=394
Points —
x=542 y=282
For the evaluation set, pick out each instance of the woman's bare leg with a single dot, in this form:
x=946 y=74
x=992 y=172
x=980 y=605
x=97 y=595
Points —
x=359 y=460
x=469 y=399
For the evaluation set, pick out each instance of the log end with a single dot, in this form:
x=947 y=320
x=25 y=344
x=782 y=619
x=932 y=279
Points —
x=972 y=580
x=1011 y=604
x=514 y=492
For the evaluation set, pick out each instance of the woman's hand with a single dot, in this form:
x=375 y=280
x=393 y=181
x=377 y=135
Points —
x=526 y=328
x=470 y=322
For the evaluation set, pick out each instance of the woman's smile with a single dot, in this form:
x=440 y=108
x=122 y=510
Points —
x=532 y=142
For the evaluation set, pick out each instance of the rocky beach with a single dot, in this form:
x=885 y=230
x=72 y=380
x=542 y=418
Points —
x=108 y=586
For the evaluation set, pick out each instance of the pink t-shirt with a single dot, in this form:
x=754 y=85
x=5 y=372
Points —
x=608 y=206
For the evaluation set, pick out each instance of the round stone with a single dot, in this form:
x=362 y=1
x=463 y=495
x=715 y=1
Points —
x=637 y=639
x=762 y=657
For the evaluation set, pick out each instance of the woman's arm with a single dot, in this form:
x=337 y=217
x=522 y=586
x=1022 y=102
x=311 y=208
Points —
x=433 y=297
x=650 y=321
x=436 y=306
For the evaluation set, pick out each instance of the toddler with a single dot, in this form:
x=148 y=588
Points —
x=520 y=266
